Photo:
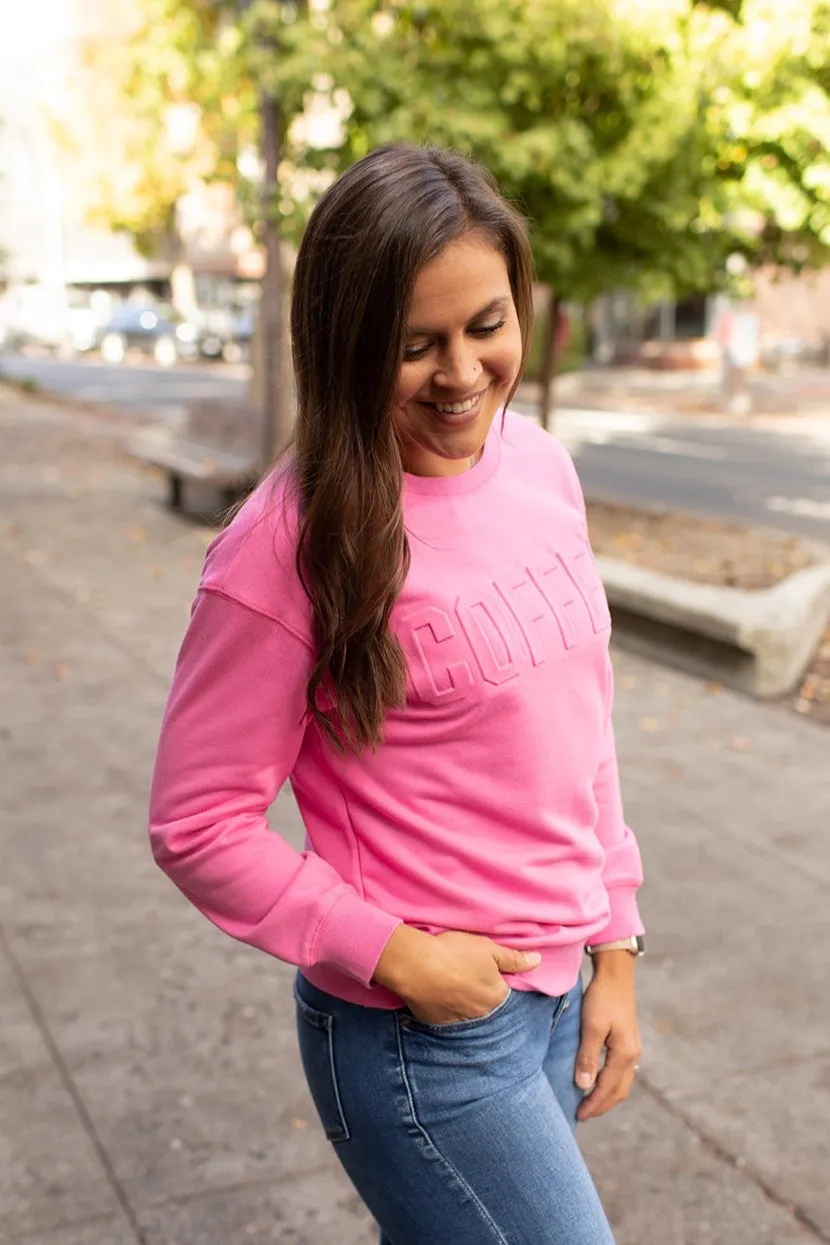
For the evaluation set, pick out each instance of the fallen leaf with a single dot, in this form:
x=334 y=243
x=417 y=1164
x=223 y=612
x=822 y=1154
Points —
x=740 y=744
x=32 y=658
x=714 y=689
x=649 y=724
x=59 y=671
x=628 y=682
x=297 y=1124
x=662 y=1025
x=136 y=534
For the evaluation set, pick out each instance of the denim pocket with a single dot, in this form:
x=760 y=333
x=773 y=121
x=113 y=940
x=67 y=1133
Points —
x=315 y=1030
x=408 y=1021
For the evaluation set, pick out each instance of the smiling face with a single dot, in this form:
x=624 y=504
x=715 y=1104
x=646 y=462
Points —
x=462 y=354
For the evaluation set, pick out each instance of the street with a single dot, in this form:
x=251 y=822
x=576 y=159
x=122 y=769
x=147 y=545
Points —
x=138 y=391
x=768 y=472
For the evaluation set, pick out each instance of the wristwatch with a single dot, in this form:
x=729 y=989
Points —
x=635 y=945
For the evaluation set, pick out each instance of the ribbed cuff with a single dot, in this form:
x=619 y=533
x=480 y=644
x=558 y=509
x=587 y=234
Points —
x=352 y=936
x=625 y=916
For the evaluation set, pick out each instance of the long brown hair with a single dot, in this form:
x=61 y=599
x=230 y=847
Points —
x=366 y=241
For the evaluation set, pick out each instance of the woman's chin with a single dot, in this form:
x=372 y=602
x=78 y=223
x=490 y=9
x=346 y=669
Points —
x=445 y=460
x=447 y=450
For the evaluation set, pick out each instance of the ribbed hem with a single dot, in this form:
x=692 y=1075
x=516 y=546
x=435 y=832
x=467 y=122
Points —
x=352 y=937
x=625 y=916
x=556 y=975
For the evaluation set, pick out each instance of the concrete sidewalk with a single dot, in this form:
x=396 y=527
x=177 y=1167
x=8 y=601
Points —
x=150 y=1090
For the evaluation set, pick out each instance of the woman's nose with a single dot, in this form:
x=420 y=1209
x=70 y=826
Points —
x=458 y=368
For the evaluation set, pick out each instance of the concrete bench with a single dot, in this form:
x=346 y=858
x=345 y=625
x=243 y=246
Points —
x=219 y=445
x=760 y=642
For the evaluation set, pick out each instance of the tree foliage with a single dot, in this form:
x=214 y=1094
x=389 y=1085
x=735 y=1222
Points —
x=165 y=99
x=646 y=140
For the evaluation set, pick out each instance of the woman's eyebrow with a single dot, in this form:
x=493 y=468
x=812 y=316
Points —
x=495 y=304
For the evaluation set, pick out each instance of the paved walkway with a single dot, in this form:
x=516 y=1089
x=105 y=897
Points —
x=149 y=1086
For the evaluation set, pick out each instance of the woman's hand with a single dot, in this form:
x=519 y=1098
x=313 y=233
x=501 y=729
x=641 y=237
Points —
x=448 y=977
x=609 y=1022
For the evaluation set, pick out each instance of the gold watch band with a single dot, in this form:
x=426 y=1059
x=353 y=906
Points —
x=633 y=945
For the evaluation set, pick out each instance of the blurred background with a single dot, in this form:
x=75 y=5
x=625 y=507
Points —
x=158 y=159
x=670 y=155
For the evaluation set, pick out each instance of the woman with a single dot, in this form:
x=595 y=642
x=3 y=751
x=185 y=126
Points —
x=405 y=619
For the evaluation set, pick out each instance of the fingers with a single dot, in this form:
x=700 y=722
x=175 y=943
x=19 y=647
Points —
x=510 y=961
x=589 y=1056
x=613 y=1083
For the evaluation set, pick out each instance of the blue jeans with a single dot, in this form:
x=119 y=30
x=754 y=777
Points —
x=459 y=1133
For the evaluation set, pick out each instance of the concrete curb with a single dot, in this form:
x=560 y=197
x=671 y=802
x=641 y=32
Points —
x=759 y=642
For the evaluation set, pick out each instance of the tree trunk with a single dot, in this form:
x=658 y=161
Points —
x=549 y=361
x=275 y=423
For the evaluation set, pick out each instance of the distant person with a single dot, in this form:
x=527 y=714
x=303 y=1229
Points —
x=405 y=620
x=737 y=333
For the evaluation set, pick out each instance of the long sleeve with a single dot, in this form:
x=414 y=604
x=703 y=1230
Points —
x=231 y=734
x=623 y=871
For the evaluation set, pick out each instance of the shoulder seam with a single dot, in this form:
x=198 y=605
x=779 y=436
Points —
x=259 y=611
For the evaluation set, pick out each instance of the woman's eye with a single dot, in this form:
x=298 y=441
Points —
x=487 y=330
x=411 y=353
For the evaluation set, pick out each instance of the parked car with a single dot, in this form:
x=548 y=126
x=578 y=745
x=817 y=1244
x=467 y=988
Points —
x=238 y=346
x=153 y=329
x=37 y=319
x=224 y=332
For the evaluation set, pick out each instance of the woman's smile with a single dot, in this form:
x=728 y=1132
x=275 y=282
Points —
x=458 y=412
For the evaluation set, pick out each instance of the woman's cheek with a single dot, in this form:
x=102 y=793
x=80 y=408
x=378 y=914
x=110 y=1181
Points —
x=410 y=384
x=505 y=364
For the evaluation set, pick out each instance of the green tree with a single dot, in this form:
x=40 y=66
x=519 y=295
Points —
x=166 y=99
x=646 y=142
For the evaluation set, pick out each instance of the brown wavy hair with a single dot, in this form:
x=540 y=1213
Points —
x=366 y=241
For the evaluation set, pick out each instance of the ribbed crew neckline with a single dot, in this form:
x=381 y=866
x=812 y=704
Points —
x=467 y=481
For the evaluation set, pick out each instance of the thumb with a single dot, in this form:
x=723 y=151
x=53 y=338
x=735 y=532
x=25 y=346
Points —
x=510 y=961
x=587 y=1060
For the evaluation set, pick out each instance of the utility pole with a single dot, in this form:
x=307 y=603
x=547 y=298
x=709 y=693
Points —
x=549 y=362
x=269 y=339
x=275 y=422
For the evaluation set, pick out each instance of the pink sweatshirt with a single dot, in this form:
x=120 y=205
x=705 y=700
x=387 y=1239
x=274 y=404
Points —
x=493 y=804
